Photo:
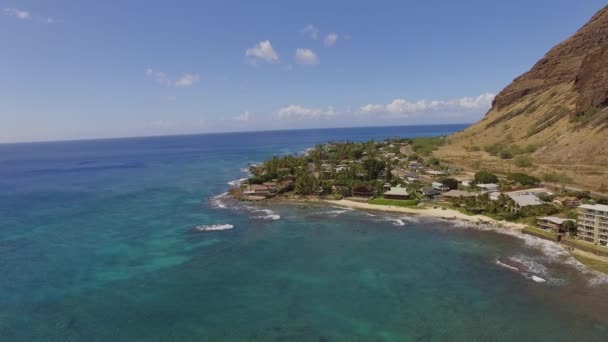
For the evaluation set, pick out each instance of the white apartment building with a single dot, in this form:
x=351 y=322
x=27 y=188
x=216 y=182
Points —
x=592 y=223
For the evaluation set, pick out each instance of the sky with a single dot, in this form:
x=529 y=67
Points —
x=101 y=69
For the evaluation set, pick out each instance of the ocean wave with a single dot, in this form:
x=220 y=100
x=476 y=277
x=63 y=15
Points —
x=552 y=252
x=267 y=214
x=218 y=201
x=237 y=182
x=212 y=227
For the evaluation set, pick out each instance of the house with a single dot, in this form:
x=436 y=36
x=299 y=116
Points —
x=435 y=173
x=258 y=190
x=414 y=165
x=397 y=193
x=412 y=177
x=524 y=199
x=287 y=182
x=272 y=186
x=439 y=186
x=488 y=186
x=452 y=194
x=430 y=192
x=363 y=191
x=466 y=182
x=569 y=202
x=551 y=223
x=592 y=223
x=494 y=195
x=341 y=168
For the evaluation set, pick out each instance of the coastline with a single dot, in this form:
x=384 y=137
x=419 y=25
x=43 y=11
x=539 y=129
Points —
x=441 y=213
x=592 y=261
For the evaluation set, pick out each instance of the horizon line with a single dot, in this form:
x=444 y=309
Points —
x=218 y=133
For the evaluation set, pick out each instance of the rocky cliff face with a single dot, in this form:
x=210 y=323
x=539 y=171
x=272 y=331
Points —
x=560 y=106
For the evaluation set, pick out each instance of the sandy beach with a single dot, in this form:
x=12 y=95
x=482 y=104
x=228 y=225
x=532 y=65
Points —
x=442 y=213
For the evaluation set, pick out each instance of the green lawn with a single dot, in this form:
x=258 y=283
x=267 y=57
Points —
x=540 y=231
x=397 y=203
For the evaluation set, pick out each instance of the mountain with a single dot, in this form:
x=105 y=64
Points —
x=554 y=116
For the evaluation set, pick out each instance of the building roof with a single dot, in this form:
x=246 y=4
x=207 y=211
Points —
x=435 y=172
x=488 y=186
x=553 y=219
x=397 y=192
x=259 y=187
x=598 y=207
x=459 y=193
x=525 y=199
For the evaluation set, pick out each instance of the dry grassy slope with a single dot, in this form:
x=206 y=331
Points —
x=541 y=107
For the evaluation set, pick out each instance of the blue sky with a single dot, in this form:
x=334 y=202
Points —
x=93 y=69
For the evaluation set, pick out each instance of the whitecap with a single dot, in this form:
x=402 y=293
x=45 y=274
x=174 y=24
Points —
x=267 y=214
x=212 y=227
x=237 y=182
x=217 y=201
x=538 y=279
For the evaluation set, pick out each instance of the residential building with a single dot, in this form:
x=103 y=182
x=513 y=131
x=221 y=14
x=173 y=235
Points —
x=363 y=191
x=430 y=192
x=397 y=193
x=592 y=223
x=458 y=194
x=569 y=202
x=524 y=199
x=439 y=186
x=435 y=173
x=488 y=186
x=551 y=223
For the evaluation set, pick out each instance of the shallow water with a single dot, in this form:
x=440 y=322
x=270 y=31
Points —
x=97 y=243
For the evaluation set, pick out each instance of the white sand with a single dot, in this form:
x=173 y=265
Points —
x=427 y=212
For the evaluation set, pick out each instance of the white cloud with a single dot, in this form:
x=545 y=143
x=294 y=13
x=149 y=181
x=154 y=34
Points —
x=295 y=112
x=187 y=80
x=264 y=51
x=306 y=56
x=330 y=39
x=245 y=117
x=160 y=77
x=312 y=31
x=26 y=15
x=402 y=107
x=17 y=13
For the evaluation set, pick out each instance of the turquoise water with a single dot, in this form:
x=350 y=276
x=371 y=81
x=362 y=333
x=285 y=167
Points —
x=96 y=244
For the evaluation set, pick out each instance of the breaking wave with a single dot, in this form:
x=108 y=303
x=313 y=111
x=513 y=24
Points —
x=263 y=214
x=212 y=227
x=218 y=201
x=237 y=182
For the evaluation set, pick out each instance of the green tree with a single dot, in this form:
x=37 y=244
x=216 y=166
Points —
x=484 y=177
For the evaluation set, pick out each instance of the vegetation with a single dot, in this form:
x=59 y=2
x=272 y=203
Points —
x=524 y=179
x=426 y=146
x=397 y=203
x=485 y=177
x=523 y=161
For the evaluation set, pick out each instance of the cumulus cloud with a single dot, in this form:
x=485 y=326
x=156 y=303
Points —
x=402 y=107
x=264 y=51
x=160 y=77
x=330 y=39
x=312 y=31
x=296 y=112
x=306 y=56
x=245 y=117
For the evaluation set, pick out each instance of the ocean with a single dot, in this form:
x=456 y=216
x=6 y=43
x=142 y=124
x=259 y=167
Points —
x=98 y=243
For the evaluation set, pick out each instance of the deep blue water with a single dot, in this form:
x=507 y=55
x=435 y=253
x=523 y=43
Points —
x=96 y=243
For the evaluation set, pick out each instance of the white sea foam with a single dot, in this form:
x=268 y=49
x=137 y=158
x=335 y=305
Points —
x=538 y=279
x=396 y=222
x=218 y=201
x=553 y=252
x=263 y=214
x=212 y=227
x=502 y=264
x=237 y=182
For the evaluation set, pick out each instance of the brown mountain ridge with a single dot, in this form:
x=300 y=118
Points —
x=559 y=109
